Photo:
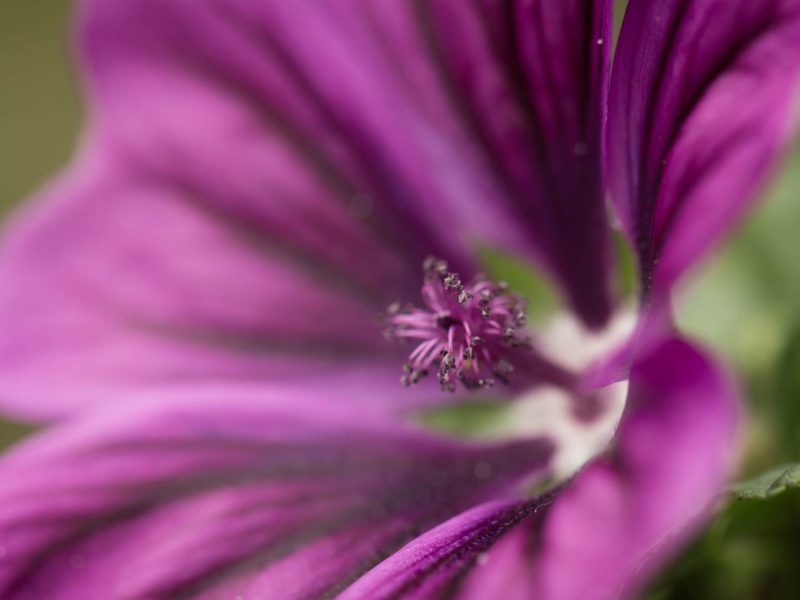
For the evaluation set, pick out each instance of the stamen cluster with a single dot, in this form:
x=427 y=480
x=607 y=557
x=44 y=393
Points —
x=462 y=333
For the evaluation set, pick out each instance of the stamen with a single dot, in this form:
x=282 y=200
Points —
x=462 y=333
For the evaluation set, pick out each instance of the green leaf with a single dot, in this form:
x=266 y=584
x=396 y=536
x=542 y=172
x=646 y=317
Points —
x=769 y=484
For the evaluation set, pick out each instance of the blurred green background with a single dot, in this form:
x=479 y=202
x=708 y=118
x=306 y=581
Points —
x=39 y=107
x=744 y=303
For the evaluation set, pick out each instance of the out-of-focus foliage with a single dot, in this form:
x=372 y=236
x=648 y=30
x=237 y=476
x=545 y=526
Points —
x=39 y=110
x=785 y=394
x=744 y=303
x=749 y=553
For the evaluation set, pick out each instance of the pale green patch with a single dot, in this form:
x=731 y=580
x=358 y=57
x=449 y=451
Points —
x=627 y=270
x=475 y=419
x=525 y=279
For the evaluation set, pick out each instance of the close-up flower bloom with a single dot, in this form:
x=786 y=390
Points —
x=235 y=313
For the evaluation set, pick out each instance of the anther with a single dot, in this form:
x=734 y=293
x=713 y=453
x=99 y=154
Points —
x=452 y=282
x=462 y=332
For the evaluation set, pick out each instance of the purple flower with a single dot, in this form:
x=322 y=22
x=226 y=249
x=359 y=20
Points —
x=204 y=294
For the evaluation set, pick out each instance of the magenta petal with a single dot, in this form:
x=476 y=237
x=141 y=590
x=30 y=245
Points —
x=226 y=495
x=436 y=125
x=249 y=202
x=626 y=513
x=602 y=534
x=448 y=561
x=530 y=81
x=116 y=280
x=702 y=102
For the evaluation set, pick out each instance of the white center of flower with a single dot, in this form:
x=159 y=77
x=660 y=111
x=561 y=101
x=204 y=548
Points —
x=555 y=412
x=551 y=412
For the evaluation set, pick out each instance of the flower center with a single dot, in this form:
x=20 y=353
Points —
x=463 y=332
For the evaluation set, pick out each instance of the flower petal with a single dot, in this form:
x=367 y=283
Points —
x=214 y=496
x=602 y=534
x=437 y=124
x=703 y=100
x=448 y=561
x=248 y=202
x=626 y=513
x=117 y=281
